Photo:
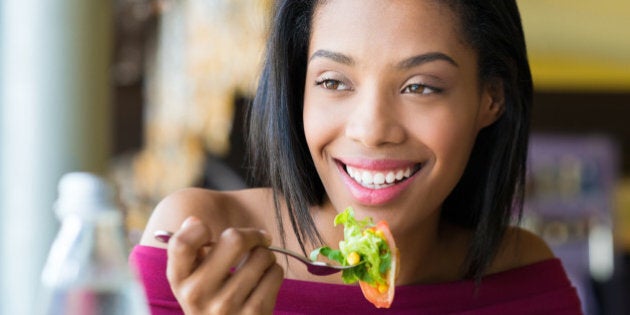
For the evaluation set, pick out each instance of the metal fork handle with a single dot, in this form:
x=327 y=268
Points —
x=290 y=253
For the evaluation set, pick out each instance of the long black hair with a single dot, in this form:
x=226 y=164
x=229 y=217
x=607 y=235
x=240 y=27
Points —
x=491 y=188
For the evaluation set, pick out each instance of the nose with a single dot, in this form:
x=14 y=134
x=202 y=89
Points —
x=375 y=121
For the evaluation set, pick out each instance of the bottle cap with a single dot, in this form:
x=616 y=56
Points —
x=84 y=193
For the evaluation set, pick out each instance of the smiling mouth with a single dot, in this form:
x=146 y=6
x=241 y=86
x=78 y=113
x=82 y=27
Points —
x=381 y=179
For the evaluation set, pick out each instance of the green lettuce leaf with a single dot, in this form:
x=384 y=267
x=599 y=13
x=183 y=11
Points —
x=375 y=256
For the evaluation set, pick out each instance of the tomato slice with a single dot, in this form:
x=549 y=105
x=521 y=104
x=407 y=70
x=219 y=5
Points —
x=384 y=297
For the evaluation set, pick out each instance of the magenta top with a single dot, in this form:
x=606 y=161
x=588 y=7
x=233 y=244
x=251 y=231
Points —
x=540 y=288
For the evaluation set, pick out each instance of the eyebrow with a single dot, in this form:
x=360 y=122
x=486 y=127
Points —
x=425 y=58
x=334 y=56
x=405 y=64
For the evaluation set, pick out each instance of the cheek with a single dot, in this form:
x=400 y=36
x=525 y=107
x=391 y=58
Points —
x=450 y=137
x=319 y=127
x=310 y=119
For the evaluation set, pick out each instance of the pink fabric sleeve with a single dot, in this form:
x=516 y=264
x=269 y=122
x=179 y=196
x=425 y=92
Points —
x=150 y=264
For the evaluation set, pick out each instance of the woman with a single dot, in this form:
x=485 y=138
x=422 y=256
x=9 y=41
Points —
x=415 y=112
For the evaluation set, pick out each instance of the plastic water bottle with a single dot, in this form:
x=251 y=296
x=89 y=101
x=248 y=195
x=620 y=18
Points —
x=87 y=271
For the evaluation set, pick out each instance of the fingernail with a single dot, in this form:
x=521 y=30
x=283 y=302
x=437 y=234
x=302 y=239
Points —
x=190 y=221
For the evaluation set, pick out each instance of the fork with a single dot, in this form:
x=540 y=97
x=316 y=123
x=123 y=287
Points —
x=318 y=268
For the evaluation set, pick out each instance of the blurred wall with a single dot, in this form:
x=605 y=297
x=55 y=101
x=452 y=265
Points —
x=578 y=45
x=55 y=118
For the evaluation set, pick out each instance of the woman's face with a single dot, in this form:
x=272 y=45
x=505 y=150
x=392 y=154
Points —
x=392 y=105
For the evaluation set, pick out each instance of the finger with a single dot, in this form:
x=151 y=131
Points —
x=184 y=248
x=239 y=286
x=263 y=299
x=231 y=248
x=209 y=278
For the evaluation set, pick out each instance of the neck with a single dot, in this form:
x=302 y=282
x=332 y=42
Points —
x=419 y=247
x=434 y=255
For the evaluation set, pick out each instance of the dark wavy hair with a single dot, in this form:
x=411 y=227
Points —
x=492 y=187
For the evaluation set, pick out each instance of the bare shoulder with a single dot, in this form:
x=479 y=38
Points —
x=217 y=209
x=519 y=248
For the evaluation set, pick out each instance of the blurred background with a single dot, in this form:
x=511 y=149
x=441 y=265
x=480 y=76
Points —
x=150 y=93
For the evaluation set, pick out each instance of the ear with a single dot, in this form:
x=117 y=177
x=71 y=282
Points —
x=492 y=103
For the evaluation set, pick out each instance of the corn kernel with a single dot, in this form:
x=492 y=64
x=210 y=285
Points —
x=353 y=258
x=382 y=288
x=380 y=234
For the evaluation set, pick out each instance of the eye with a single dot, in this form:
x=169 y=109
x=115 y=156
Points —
x=417 y=88
x=332 y=84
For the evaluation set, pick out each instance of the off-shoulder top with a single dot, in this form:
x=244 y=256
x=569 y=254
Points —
x=540 y=288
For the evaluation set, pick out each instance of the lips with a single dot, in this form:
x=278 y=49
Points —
x=376 y=182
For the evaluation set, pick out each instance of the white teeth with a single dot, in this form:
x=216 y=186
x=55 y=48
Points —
x=379 y=179
x=366 y=178
x=376 y=180
x=390 y=178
